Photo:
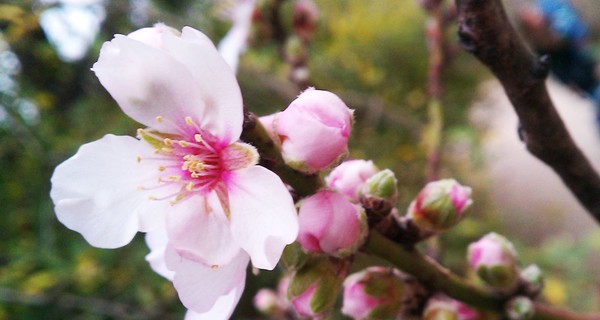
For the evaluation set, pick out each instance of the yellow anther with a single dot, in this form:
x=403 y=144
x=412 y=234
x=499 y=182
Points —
x=138 y=159
x=189 y=186
x=189 y=121
x=184 y=144
x=159 y=119
x=152 y=198
x=174 y=178
x=141 y=132
x=198 y=137
x=166 y=150
x=214 y=266
x=156 y=151
x=141 y=188
x=161 y=168
x=168 y=142
x=178 y=198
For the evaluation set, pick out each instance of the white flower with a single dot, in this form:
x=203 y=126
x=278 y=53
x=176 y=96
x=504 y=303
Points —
x=186 y=174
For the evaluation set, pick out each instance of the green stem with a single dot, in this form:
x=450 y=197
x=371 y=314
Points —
x=437 y=278
x=270 y=154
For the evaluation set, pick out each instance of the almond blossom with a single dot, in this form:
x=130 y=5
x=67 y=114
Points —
x=185 y=174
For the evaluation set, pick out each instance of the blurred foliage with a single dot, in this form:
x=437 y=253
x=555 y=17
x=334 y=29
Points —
x=372 y=53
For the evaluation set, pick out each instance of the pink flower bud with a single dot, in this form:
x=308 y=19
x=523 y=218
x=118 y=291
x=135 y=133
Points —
x=494 y=259
x=441 y=307
x=331 y=224
x=314 y=130
x=268 y=302
x=314 y=288
x=374 y=293
x=349 y=177
x=440 y=205
x=305 y=18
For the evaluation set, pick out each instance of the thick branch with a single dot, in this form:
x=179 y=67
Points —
x=437 y=278
x=485 y=31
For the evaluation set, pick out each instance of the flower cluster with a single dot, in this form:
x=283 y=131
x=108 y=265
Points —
x=206 y=206
x=209 y=209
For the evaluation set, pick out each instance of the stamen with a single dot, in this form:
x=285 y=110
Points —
x=177 y=199
x=189 y=186
x=189 y=121
x=159 y=119
x=161 y=168
x=175 y=178
x=168 y=142
x=138 y=159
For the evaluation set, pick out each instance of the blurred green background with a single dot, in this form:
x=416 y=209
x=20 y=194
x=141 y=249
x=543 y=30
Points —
x=372 y=53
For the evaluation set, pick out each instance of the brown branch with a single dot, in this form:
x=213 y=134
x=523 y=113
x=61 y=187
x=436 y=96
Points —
x=485 y=31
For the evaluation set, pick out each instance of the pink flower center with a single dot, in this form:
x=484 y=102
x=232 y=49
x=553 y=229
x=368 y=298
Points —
x=196 y=161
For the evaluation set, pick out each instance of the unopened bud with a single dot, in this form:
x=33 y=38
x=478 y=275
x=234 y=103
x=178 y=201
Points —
x=441 y=307
x=374 y=293
x=331 y=224
x=349 y=177
x=314 y=288
x=495 y=260
x=295 y=50
x=268 y=302
x=306 y=15
x=520 y=308
x=440 y=205
x=533 y=278
x=382 y=185
x=314 y=131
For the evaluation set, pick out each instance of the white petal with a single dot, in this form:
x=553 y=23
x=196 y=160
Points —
x=223 y=308
x=147 y=82
x=95 y=192
x=234 y=42
x=157 y=242
x=263 y=216
x=200 y=232
x=215 y=82
x=200 y=287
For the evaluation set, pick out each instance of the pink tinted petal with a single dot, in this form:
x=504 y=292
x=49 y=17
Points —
x=302 y=302
x=349 y=177
x=200 y=287
x=345 y=228
x=147 y=82
x=200 y=232
x=223 y=308
x=305 y=139
x=214 y=83
x=314 y=219
x=152 y=36
x=157 y=242
x=96 y=192
x=263 y=216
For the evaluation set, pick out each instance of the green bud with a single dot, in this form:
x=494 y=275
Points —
x=314 y=288
x=520 y=308
x=382 y=185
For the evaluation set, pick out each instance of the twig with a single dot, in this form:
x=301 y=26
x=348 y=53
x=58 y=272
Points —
x=437 y=278
x=435 y=30
x=485 y=31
